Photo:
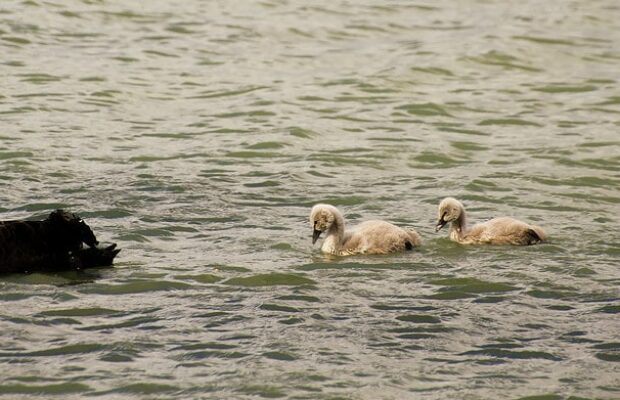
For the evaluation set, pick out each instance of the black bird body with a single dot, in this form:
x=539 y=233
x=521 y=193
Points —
x=54 y=244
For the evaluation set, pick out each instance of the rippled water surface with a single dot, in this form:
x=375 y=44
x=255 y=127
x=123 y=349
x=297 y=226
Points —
x=198 y=134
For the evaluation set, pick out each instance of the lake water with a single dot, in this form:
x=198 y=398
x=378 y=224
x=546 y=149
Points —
x=198 y=134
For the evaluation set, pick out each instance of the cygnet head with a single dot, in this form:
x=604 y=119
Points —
x=450 y=209
x=322 y=218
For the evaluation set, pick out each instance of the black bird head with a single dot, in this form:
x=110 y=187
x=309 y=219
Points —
x=71 y=230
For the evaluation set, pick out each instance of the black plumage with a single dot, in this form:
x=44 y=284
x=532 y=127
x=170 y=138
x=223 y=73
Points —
x=54 y=244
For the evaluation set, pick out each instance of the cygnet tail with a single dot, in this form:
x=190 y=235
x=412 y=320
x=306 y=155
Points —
x=536 y=234
x=414 y=239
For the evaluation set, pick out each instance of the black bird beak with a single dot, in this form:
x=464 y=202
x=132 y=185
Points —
x=440 y=224
x=315 y=235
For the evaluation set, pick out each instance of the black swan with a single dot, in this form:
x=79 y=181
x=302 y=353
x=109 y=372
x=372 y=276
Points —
x=53 y=244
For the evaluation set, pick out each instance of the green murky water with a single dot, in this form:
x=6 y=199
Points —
x=198 y=134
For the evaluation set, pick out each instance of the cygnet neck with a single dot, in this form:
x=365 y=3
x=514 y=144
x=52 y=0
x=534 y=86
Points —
x=459 y=225
x=337 y=228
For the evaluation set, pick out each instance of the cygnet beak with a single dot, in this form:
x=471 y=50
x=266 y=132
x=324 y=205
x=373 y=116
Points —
x=440 y=224
x=315 y=235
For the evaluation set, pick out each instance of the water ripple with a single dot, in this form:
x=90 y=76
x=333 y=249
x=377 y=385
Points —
x=197 y=135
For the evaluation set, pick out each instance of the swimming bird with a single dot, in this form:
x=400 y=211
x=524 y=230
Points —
x=53 y=244
x=369 y=237
x=501 y=230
